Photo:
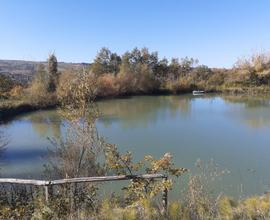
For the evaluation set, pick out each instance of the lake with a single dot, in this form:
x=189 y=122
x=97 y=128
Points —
x=232 y=131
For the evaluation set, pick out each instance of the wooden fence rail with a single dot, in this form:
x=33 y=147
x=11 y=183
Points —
x=48 y=184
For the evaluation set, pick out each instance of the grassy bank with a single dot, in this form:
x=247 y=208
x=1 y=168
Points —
x=12 y=108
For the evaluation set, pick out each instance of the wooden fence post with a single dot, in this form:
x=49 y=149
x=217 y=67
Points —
x=48 y=192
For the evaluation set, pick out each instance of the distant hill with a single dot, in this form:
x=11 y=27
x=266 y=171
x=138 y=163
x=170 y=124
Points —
x=23 y=71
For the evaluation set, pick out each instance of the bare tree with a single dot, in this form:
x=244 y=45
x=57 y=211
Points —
x=77 y=152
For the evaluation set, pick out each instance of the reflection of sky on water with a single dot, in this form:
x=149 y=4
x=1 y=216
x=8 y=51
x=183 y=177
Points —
x=26 y=151
x=232 y=130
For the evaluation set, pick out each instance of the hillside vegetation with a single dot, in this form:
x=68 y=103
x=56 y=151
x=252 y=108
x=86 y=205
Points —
x=23 y=71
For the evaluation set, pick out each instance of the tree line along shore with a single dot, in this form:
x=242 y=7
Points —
x=136 y=72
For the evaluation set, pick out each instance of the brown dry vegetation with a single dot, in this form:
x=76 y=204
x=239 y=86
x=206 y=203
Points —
x=136 y=72
x=142 y=72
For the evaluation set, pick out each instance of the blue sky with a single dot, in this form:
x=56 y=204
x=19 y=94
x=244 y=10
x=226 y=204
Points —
x=215 y=32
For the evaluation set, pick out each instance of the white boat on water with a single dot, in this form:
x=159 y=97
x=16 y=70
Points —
x=198 y=92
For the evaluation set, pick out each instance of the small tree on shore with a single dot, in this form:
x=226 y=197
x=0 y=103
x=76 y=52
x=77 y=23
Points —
x=53 y=72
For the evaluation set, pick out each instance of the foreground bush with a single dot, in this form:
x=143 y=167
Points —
x=113 y=208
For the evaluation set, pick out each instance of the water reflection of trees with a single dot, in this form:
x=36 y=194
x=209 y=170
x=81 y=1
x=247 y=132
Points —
x=256 y=112
x=140 y=111
x=3 y=144
x=46 y=123
x=248 y=101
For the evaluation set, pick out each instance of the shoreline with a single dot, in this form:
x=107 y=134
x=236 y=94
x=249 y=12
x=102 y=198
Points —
x=8 y=113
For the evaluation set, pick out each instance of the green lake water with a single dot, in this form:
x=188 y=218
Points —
x=232 y=131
